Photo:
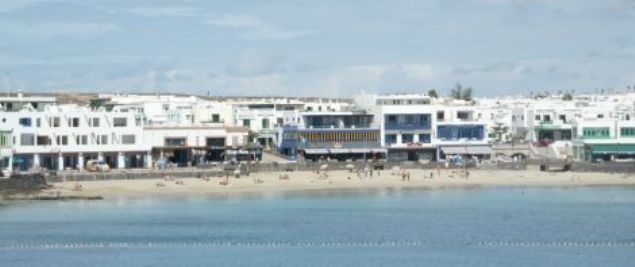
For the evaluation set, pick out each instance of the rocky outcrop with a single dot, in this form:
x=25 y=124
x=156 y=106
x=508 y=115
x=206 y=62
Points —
x=23 y=183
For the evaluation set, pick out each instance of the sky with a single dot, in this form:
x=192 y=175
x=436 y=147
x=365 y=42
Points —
x=328 y=48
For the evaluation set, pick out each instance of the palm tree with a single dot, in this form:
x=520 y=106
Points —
x=467 y=94
x=458 y=92
x=433 y=93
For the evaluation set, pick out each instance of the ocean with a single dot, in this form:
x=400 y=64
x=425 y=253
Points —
x=498 y=226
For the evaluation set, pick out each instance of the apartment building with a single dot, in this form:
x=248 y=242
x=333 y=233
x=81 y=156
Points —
x=66 y=136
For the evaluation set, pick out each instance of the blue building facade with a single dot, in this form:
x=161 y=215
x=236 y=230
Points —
x=341 y=136
x=408 y=136
x=457 y=132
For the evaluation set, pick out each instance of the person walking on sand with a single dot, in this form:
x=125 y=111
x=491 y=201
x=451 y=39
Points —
x=438 y=170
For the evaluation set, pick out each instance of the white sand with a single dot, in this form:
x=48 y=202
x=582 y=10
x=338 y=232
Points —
x=336 y=180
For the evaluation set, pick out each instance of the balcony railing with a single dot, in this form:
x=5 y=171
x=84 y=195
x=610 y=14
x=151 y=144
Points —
x=407 y=126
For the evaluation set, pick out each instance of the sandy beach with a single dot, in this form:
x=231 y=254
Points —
x=275 y=181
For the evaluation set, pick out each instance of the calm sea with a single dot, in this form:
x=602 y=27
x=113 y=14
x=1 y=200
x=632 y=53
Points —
x=590 y=226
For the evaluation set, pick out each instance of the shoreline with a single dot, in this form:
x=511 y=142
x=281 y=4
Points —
x=304 y=181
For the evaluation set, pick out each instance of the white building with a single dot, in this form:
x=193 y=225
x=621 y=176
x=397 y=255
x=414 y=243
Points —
x=66 y=136
x=19 y=101
x=189 y=146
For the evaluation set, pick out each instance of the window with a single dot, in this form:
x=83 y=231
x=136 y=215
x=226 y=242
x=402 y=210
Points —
x=440 y=115
x=81 y=139
x=27 y=139
x=424 y=138
x=73 y=122
x=104 y=139
x=627 y=131
x=62 y=140
x=84 y=139
x=600 y=116
x=537 y=117
x=3 y=139
x=409 y=118
x=172 y=141
x=265 y=123
x=215 y=118
x=547 y=118
x=563 y=118
x=407 y=138
x=25 y=122
x=246 y=123
x=215 y=142
x=280 y=122
x=38 y=122
x=423 y=119
x=55 y=122
x=596 y=132
x=392 y=119
x=462 y=115
x=95 y=122
x=390 y=139
x=119 y=122
x=128 y=139
x=43 y=140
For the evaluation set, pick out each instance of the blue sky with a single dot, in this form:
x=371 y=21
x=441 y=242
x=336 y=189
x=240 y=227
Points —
x=316 y=48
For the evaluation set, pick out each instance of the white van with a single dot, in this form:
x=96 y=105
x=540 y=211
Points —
x=97 y=166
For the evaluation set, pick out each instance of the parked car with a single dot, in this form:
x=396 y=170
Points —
x=97 y=166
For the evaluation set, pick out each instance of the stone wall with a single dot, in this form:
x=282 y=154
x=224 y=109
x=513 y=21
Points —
x=22 y=183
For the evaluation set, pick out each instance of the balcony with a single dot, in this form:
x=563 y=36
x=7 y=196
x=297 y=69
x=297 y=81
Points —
x=407 y=126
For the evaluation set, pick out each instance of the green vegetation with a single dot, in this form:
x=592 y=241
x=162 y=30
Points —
x=433 y=93
x=458 y=92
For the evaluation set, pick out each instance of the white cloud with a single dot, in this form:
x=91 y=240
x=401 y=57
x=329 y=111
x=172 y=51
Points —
x=7 y=6
x=48 y=30
x=254 y=62
x=255 y=28
x=170 y=11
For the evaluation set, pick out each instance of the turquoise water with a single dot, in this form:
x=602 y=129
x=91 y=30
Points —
x=591 y=226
